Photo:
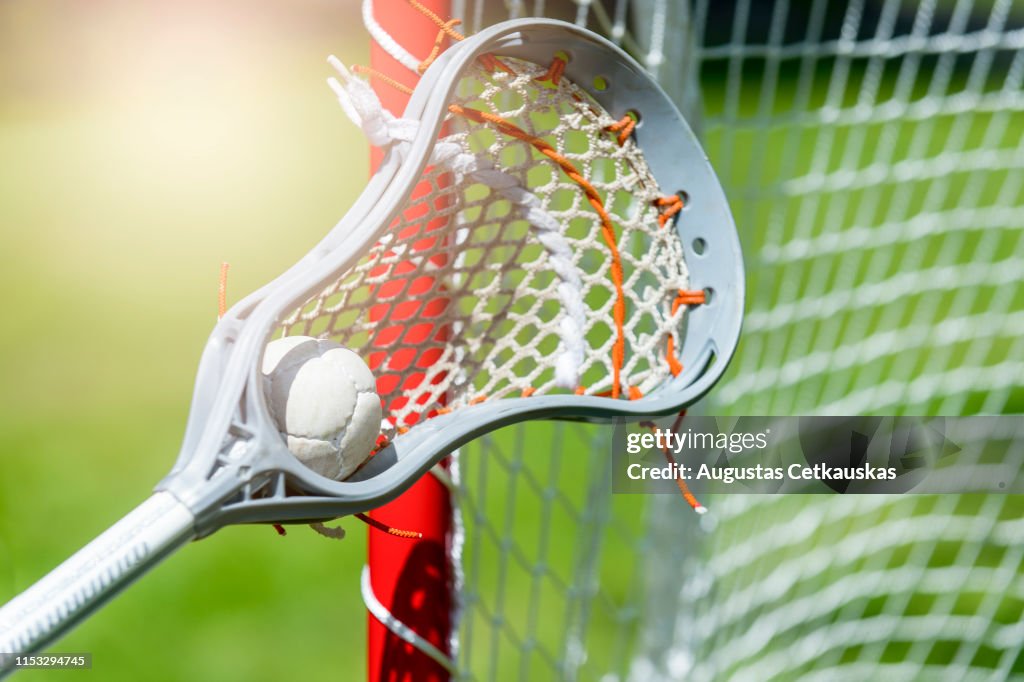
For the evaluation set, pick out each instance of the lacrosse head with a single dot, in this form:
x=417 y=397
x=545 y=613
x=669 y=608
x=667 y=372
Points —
x=544 y=239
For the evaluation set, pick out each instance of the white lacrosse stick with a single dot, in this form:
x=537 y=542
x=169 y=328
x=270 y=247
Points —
x=544 y=239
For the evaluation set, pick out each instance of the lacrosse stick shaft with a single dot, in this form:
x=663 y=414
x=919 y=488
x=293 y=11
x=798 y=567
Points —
x=101 y=569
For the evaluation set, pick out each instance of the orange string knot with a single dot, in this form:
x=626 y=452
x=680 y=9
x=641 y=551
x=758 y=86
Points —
x=555 y=71
x=445 y=26
x=668 y=207
x=446 y=30
x=624 y=127
x=492 y=63
x=688 y=297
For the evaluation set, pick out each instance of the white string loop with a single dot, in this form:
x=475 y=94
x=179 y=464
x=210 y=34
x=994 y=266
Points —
x=361 y=104
x=400 y=629
x=386 y=42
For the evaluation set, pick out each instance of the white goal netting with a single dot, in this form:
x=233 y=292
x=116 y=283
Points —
x=874 y=159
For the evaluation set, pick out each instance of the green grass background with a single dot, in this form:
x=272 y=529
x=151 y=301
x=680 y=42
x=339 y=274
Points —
x=140 y=145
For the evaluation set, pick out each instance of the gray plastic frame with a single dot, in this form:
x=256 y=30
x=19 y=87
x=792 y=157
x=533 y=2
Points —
x=231 y=439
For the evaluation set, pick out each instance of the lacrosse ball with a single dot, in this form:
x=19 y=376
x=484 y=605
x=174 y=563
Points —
x=323 y=398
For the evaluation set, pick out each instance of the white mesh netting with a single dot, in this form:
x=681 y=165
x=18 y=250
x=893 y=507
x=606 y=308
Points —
x=872 y=153
x=498 y=280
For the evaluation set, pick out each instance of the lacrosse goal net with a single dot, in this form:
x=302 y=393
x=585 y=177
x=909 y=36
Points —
x=873 y=156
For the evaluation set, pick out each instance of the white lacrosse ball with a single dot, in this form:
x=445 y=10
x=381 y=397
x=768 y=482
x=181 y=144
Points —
x=323 y=399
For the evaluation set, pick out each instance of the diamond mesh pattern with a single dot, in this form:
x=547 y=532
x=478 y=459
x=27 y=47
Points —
x=552 y=562
x=464 y=298
x=888 y=196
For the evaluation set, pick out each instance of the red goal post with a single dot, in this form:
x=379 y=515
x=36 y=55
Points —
x=412 y=579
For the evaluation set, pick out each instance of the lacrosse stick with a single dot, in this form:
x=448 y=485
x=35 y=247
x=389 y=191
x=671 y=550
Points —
x=587 y=259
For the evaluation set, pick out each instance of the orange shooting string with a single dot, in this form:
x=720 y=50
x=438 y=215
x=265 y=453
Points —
x=683 y=488
x=384 y=79
x=487 y=60
x=222 y=290
x=383 y=527
x=684 y=297
x=447 y=29
x=607 y=228
x=667 y=207
x=445 y=26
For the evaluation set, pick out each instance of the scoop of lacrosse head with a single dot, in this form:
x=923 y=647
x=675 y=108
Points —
x=544 y=239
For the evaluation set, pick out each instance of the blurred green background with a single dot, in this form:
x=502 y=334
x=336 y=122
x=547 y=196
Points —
x=144 y=143
x=141 y=144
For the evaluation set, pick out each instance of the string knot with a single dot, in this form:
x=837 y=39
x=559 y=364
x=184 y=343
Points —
x=362 y=106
